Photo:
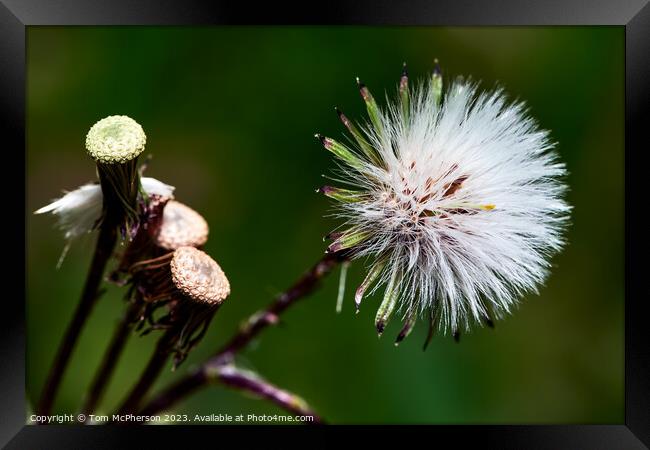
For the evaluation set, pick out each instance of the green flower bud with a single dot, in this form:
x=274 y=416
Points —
x=115 y=139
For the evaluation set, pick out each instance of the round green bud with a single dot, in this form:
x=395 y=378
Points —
x=115 y=139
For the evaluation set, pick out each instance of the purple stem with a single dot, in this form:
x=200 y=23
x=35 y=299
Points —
x=247 y=332
x=103 y=250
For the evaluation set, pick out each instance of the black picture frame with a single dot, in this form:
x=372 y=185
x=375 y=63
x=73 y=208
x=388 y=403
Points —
x=633 y=15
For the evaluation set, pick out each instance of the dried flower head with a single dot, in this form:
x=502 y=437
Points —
x=198 y=276
x=189 y=285
x=181 y=226
x=455 y=198
x=115 y=139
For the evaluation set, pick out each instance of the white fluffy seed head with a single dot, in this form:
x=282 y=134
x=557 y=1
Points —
x=198 y=276
x=462 y=207
x=115 y=140
x=181 y=226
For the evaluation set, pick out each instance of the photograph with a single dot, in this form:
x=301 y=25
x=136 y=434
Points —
x=259 y=223
x=341 y=225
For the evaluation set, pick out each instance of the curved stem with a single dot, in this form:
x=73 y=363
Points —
x=247 y=381
x=191 y=323
x=235 y=378
x=247 y=332
x=270 y=315
x=103 y=251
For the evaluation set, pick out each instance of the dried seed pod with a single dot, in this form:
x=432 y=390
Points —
x=181 y=226
x=198 y=276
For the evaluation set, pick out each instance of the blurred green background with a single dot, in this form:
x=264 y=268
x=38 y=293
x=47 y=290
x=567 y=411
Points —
x=230 y=115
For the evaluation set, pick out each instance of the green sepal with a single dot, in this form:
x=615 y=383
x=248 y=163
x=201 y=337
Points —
x=436 y=83
x=340 y=151
x=409 y=323
x=404 y=94
x=372 y=275
x=367 y=149
x=389 y=302
x=340 y=194
x=350 y=238
x=373 y=109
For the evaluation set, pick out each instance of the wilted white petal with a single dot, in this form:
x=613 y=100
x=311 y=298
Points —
x=156 y=187
x=77 y=211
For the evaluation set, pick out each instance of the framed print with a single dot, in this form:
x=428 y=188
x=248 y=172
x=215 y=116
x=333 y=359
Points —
x=238 y=216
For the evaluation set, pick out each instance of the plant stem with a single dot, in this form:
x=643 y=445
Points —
x=195 y=379
x=250 y=382
x=151 y=372
x=103 y=251
x=109 y=363
x=269 y=316
x=247 y=332
x=235 y=378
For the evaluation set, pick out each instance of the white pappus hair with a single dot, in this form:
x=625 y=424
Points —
x=456 y=200
x=78 y=211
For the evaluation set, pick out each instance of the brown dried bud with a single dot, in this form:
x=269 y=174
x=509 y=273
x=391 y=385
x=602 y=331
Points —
x=198 y=276
x=181 y=226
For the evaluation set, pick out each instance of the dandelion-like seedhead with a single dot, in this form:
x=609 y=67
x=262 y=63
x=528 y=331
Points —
x=181 y=226
x=455 y=198
x=115 y=139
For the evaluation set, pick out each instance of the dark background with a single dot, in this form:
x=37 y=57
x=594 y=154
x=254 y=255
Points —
x=229 y=116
